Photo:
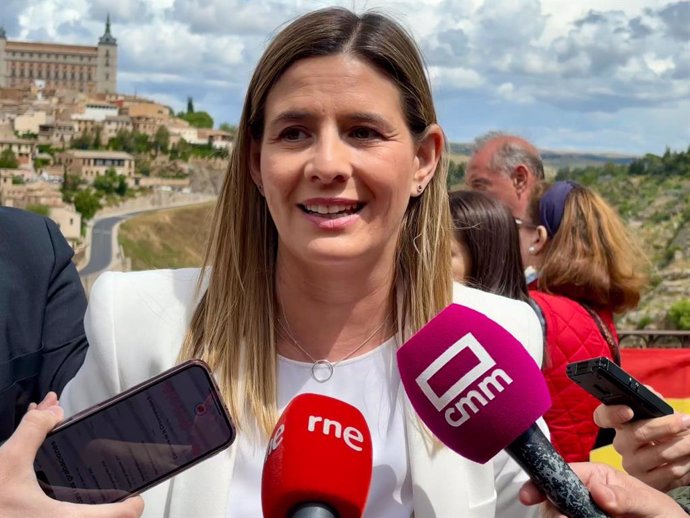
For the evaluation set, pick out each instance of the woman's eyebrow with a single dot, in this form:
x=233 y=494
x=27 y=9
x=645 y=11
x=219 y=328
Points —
x=291 y=116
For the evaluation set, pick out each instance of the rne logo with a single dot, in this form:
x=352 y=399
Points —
x=480 y=396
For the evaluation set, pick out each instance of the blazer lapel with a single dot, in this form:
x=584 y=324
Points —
x=444 y=484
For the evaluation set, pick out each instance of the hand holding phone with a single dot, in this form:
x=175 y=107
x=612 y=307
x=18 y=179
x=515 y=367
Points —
x=136 y=439
x=21 y=495
x=611 y=385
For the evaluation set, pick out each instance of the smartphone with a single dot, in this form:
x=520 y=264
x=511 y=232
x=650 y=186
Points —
x=137 y=439
x=611 y=385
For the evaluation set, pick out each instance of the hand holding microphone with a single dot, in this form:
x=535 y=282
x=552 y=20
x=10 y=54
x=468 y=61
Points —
x=318 y=461
x=619 y=494
x=479 y=391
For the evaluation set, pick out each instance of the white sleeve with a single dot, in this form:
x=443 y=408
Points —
x=98 y=378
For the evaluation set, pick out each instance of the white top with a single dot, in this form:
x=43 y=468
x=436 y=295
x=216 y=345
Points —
x=135 y=324
x=370 y=383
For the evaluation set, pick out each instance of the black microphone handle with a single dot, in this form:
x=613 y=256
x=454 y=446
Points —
x=552 y=474
x=313 y=510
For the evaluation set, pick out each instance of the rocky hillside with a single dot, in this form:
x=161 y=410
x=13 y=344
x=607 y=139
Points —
x=653 y=196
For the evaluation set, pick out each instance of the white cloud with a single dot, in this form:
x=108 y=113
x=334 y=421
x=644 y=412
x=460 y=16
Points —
x=508 y=92
x=457 y=78
x=589 y=62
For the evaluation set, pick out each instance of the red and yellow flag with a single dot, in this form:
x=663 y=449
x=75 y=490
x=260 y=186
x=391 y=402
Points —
x=667 y=371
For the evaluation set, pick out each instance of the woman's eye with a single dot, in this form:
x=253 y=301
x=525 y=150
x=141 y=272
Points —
x=293 y=134
x=364 y=133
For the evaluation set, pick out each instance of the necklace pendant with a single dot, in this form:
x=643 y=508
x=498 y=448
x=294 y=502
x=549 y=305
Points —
x=322 y=371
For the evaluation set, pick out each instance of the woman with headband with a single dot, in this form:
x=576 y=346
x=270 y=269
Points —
x=588 y=268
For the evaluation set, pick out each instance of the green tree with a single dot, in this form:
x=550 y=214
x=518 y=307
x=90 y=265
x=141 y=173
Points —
x=190 y=105
x=679 y=314
x=122 y=141
x=197 y=119
x=230 y=128
x=111 y=183
x=18 y=180
x=142 y=167
x=456 y=173
x=181 y=151
x=83 y=141
x=161 y=140
x=87 y=203
x=40 y=163
x=8 y=160
x=70 y=187
x=43 y=210
x=142 y=143
x=98 y=131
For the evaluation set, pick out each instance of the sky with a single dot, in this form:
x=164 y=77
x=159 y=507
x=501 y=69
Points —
x=585 y=75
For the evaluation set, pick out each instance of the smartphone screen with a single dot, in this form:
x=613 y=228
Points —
x=137 y=439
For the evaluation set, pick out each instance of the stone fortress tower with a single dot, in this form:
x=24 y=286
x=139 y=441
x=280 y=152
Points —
x=75 y=67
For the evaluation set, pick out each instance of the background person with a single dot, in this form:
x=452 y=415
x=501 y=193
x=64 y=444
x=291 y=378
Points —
x=588 y=268
x=42 y=305
x=656 y=451
x=507 y=168
x=485 y=247
x=330 y=243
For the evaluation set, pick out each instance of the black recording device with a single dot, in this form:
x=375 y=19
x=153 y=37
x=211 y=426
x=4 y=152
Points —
x=611 y=385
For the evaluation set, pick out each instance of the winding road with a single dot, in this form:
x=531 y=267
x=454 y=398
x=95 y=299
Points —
x=101 y=245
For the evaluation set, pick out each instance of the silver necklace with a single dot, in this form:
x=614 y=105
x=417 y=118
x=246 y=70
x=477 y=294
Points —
x=322 y=370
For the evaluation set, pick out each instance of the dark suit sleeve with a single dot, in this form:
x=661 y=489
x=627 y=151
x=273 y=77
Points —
x=63 y=340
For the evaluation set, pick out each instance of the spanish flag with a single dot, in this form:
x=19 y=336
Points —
x=667 y=371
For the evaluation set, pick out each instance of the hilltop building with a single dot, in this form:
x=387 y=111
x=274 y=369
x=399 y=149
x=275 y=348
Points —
x=81 y=68
x=90 y=164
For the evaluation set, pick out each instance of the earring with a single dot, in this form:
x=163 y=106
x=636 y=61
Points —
x=532 y=250
x=261 y=188
x=420 y=188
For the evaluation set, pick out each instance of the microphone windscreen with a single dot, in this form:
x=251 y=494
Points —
x=319 y=452
x=471 y=382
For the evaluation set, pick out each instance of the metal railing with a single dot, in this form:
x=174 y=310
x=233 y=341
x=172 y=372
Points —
x=643 y=339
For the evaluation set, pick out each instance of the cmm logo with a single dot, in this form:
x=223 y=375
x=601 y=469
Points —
x=485 y=385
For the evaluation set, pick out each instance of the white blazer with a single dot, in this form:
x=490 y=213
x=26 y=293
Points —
x=135 y=323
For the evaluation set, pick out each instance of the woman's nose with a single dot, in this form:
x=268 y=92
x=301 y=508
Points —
x=330 y=161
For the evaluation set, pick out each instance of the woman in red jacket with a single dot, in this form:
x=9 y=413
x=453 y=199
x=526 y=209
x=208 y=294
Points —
x=589 y=268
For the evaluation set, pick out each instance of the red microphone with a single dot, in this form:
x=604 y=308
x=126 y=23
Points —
x=318 y=461
x=479 y=391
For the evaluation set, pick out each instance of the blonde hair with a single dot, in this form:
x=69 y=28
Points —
x=233 y=327
x=592 y=258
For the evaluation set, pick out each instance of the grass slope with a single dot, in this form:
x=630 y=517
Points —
x=173 y=238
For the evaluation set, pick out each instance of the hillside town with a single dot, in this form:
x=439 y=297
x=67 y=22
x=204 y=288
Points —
x=64 y=130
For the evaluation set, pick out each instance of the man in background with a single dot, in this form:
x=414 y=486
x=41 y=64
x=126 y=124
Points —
x=507 y=168
x=42 y=305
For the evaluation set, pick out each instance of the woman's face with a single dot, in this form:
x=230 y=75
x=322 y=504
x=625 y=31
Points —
x=461 y=262
x=337 y=162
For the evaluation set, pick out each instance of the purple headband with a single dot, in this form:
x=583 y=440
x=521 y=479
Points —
x=552 y=204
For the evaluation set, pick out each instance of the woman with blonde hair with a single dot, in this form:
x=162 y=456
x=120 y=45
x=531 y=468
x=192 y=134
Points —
x=329 y=248
x=589 y=268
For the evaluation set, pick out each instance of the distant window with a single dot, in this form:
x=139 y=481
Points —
x=107 y=76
